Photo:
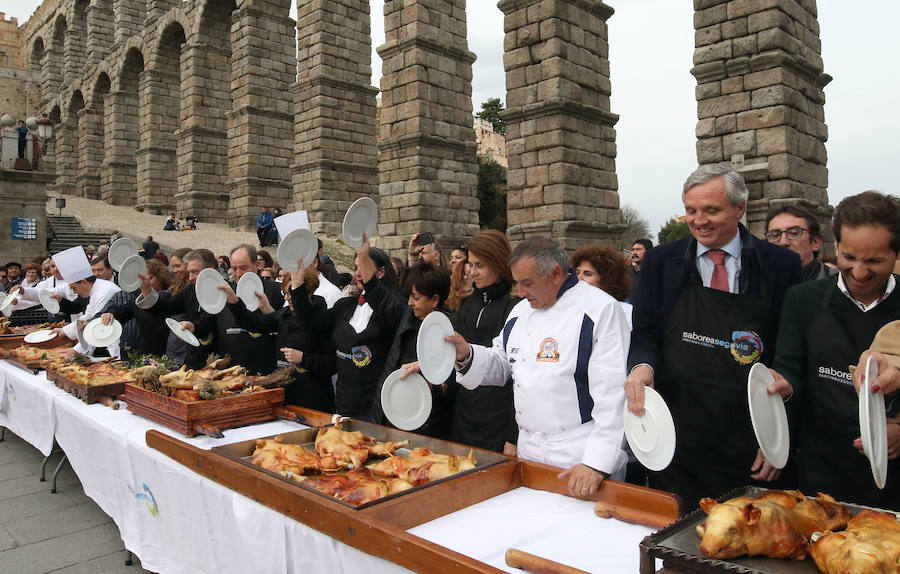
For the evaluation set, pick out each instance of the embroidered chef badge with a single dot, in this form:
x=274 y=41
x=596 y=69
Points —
x=361 y=356
x=549 y=351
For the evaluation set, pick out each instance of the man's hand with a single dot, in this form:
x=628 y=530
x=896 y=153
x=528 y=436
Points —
x=264 y=304
x=187 y=326
x=55 y=295
x=463 y=349
x=410 y=368
x=509 y=449
x=298 y=276
x=763 y=470
x=80 y=323
x=230 y=295
x=780 y=386
x=146 y=288
x=583 y=480
x=641 y=376
x=59 y=332
x=414 y=248
x=888 y=379
x=292 y=355
x=893 y=441
x=107 y=318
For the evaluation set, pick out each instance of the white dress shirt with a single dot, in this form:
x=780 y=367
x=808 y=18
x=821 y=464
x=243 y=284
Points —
x=863 y=307
x=568 y=367
x=732 y=262
x=328 y=291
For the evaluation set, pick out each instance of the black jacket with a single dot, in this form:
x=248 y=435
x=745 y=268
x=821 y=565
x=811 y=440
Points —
x=185 y=304
x=311 y=387
x=667 y=268
x=152 y=328
x=484 y=417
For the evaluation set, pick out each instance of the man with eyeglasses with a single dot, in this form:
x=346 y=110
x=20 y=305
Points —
x=796 y=227
x=825 y=326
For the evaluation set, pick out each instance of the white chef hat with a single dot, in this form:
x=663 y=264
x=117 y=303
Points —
x=291 y=221
x=73 y=264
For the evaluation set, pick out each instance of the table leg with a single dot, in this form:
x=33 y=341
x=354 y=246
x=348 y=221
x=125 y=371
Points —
x=2 y=434
x=129 y=559
x=57 y=471
x=53 y=449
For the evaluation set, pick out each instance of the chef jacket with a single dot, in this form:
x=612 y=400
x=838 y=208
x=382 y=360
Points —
x=100 y=294
x=568 y=368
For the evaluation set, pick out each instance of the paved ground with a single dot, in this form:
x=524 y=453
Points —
x=63 y=533
x=96 y=215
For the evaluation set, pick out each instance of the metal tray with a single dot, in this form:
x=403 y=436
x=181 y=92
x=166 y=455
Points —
x=679 y=545
x=242 y=452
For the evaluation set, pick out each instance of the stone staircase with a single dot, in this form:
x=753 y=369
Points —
x=65 y=232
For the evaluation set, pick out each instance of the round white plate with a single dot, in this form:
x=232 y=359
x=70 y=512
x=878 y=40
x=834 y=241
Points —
x=247 y=287
x=182 y=334
x=361 y=217
x=211 y=298
x=9 y=299
x=40 y=336
x=296 y=244
x=768 y=416
x=436 y=356
x=48 y=302
x=652 y=436
x=873 y=424
x=406 y=402
x=99 y=335
x=129 y=279
x=120 y=250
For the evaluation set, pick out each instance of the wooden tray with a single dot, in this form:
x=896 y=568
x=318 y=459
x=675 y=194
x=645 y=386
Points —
x=32 y=367
x=88 y=393
x=13 y=341
x=205 y=417
x=381 y=530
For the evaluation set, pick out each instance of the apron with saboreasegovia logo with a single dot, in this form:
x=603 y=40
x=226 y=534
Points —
x=829 y=421
x=360 y=362
x=710 y=340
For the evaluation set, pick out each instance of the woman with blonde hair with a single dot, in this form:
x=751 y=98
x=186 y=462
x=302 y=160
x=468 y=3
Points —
x=483 y=417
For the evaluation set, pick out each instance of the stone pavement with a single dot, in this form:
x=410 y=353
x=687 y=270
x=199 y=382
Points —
x=42 y=532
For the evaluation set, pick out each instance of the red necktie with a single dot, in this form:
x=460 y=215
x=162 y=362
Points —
x=720 y=275
x=362 y=299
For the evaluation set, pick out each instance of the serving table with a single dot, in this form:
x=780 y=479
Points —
x=182 y=508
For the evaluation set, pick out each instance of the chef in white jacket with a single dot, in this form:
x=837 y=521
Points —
x=76 y=270
x=565 y=345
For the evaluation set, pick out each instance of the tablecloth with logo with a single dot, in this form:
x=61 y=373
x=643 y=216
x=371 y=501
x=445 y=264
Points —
x=177 y=521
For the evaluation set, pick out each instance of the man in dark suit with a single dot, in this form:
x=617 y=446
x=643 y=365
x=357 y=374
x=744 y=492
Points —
x=707 y=307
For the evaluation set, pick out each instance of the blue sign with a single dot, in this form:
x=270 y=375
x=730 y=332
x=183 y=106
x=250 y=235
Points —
x=24 y=228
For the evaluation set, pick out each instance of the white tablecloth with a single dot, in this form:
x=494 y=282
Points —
x=177 y=521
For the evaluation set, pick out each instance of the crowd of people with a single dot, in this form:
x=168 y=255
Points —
x=551 y=348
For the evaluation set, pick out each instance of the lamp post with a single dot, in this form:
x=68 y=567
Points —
x=44 y=128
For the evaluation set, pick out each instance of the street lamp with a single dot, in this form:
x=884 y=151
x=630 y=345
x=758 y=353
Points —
x=44 y=128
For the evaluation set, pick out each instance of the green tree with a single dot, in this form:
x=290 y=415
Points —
x=672 y=230
x=638 y=226
x=491 y=194
x=490 y=111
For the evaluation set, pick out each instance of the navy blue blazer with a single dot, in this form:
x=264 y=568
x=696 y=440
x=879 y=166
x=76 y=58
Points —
x=666 y=269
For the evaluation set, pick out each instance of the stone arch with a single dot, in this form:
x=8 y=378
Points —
x=160 y=100
x=92 y=136
x=103 y=68
x=36 y=64
x=55 y=57
x=67 y=136
x=179 y=16
x=119 y=178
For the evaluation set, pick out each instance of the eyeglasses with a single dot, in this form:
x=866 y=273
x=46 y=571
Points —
x=793 y=233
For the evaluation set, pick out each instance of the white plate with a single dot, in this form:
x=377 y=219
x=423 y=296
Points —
x=120 y=250
x=652 y=436
x=129 y=279
x=873 y=424
x=768 y=416
x=211 y=298
x=48 y=302
x=8 y=300
x=247 y=287
x=436 y=356
x=100 y=335
x=406 y=402
x=361 y=217
x=182 y=334
x=41 y=336
x=296 y=244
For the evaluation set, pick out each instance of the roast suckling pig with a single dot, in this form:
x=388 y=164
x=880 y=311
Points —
x=871 y=543
x=777 y=524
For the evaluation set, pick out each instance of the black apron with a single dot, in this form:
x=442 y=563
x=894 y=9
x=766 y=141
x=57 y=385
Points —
x=360 y=362
x=830 y=418
x=710 y=340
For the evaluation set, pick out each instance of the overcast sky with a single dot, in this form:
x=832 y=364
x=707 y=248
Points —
x=651 y=51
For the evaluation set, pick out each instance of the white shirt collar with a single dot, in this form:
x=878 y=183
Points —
x=887 y=291
x=732 y=248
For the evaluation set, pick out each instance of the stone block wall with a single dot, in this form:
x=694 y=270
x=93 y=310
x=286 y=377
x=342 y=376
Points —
x=760 y=99
x=334 y=111
x=560 y=139
x=427 y=164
